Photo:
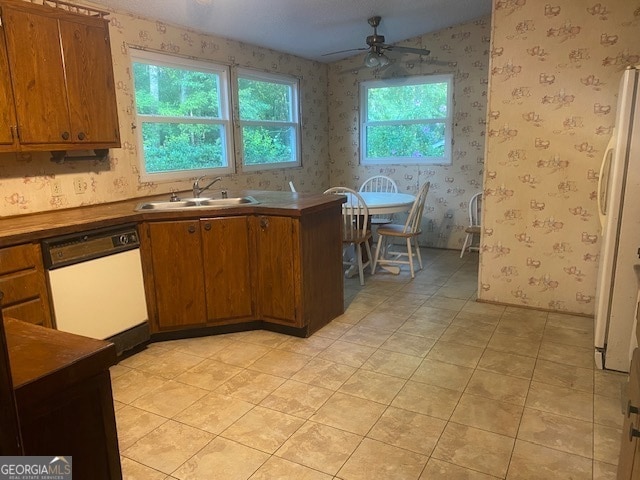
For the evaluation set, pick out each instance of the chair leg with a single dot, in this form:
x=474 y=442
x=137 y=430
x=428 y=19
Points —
x=371 y=259
x=381 y=240
x=464 y=245
x=360 y=268
x=410 y=254
x=371 y=262
x=418 y=252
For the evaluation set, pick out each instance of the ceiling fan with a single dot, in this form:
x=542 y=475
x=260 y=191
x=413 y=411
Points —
x=375 y=57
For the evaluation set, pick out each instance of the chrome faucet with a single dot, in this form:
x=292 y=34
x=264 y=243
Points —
x=196 y=185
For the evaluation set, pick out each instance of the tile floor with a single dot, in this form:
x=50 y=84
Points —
x=415 y=381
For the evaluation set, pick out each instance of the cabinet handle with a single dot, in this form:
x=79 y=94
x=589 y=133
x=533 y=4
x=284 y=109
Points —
x=264 y=222
x=192 y=229
x=65 y=135
x=81 y=136
x=207 y=226
x=633 y=432
x=631 y=409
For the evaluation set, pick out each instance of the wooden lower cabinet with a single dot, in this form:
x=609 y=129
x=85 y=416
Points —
x=200 y=272
x=299 y=269
x=277 y=269
x=62 y=390
x=227 y=268
x=629 y=459
x=280 y=270
x=178 y=274
x=23 y=282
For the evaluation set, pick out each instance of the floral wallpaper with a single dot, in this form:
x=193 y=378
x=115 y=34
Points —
x=27 y=179
x=554 y=76
x=462 y=50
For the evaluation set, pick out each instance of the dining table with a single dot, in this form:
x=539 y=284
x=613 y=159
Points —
x=385 y=203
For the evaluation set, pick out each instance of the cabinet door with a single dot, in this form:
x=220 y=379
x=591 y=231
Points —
x=629 y=459
x=227 y=268
x=277 y=269
x=179 y=285
x=7 y=111
x=90 y=84
x=37 y=76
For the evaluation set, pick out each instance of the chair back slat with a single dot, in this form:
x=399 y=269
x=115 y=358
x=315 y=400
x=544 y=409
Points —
x=412 y=225
x=355 y=212
x=475 y=205
x=379 y=183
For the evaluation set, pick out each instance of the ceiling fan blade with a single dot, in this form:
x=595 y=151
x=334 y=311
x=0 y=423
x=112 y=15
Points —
x=343 y=51
x=395 y=48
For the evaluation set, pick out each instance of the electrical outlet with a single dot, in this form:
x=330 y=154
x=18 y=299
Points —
x=79 y=185
x=56 y=188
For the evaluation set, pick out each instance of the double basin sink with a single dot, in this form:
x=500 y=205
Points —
x=195 y=204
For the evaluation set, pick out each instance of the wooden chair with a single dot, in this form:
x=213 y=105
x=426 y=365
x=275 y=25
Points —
x=385 y=255
x=475 y=205
x=379 y=183
x=355 y=228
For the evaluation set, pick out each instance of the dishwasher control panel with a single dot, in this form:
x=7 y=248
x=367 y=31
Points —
x=81 y=247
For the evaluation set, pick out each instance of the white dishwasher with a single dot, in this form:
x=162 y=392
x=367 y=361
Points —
x=96 y=283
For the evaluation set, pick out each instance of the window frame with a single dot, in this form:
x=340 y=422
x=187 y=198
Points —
x=224 y=120
x=294 y=110
x=365 y=86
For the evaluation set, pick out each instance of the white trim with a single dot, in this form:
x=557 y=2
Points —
x=223 y=120
x=447 y=119
x=294 y=114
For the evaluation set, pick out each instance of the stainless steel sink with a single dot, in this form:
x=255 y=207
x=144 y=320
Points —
x=195 y=204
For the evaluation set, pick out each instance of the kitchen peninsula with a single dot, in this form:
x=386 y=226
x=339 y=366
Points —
x=276 y=264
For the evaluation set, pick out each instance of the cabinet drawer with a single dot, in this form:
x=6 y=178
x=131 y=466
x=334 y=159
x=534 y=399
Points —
x=21 y=257
x=21 y=286
x=32 y=311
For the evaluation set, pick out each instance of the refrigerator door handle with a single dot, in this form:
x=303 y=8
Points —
x=603 y=180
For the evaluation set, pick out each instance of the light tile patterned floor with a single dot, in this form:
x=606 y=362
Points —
x=415 y=381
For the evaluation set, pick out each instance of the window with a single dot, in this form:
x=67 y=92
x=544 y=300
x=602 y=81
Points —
x=269 y=120
x=406 y=120
x=182 y=116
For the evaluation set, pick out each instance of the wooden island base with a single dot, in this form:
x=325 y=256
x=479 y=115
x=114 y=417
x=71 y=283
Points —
x=63 y=395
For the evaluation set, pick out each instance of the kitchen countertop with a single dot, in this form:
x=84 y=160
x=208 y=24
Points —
x=37 y=226
x=47 y=360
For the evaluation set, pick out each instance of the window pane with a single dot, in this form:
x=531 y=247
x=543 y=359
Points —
x=409 y=102
x=268 y=145
x=176 y=92
x=388 y=141
x=264 y=101
x=172 y=146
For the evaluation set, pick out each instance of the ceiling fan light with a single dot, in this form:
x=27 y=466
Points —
x=371 y=60
x=383 y=60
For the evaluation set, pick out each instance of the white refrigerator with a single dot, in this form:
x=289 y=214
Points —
x=619 y=208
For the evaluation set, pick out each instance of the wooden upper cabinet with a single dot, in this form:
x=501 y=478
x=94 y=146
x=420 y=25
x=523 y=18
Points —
x=90 y=83
x=37 y=76
x=8 y=139
x=62 y=77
